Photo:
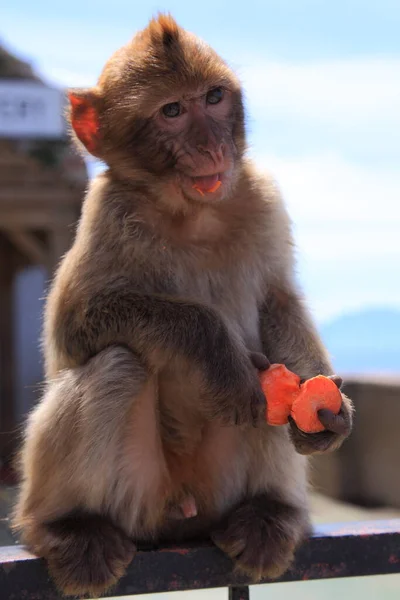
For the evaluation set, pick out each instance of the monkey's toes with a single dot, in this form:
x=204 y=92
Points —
x=261 y=545
x=257 y=552
x=87 y=555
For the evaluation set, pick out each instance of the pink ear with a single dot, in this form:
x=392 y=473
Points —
x=85 y=120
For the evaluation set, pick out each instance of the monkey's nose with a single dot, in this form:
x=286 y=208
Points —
x=216 y=153
x=220 y=152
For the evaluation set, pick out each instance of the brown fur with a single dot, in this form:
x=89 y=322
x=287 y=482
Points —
x=261 y=534
x=151 y=330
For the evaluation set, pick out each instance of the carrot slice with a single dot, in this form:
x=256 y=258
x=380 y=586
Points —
x=212 y=189
x=215 y=187
x=316 y=393
x=198 y=189
x=286 y=396
x=281 y=387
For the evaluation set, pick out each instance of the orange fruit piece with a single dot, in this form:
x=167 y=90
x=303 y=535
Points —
x=195 y=187
x=215 y=187
x=286 y=396
x=211 y=190
x=315 y=393
x=281 y=387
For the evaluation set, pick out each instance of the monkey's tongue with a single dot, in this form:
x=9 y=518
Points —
x=207 y=183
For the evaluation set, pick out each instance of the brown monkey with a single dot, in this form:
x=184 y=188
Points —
x=156 y=323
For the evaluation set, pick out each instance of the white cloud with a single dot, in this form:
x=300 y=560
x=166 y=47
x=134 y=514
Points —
x=346 y=211
x=347 y=227
x=328 y=189
x=70 y=78
x=344 y=92
x=334 y=288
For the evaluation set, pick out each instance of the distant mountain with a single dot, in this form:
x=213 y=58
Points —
x=364 y=341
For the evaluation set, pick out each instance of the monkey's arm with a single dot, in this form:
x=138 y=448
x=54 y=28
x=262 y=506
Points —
x=157 y=327
x=290 y=337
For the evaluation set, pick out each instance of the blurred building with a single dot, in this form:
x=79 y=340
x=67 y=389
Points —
x=42 y=180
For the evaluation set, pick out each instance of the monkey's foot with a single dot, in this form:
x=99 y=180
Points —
x=261 y=536
x=86 y=554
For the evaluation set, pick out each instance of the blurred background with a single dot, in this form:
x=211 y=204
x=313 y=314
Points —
x=322 y=85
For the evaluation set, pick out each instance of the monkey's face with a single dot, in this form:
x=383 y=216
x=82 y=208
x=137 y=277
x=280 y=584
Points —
x=189 y=142
x=168 y=113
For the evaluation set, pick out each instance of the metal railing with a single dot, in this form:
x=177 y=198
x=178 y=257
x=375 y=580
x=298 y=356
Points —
x=334 y=551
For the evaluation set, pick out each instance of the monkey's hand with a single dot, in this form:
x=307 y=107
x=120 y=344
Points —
x=337 y=429
x=241 y=400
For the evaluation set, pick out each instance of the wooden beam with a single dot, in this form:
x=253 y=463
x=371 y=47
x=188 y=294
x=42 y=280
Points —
x=32 y=218
x=28 y=244
x=39 y=196
x=7 y=395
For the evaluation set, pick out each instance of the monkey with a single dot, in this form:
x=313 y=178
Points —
x=178 y=289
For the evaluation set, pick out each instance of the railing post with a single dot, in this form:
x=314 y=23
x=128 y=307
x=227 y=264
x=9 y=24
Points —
x=239 y=592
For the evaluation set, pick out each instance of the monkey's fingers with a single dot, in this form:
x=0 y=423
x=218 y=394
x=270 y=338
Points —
x=260 y=361
x=338 y=424
x=258 y=407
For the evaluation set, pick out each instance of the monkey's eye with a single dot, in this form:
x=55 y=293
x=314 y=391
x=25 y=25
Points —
x=215 y=96
x=172 y=110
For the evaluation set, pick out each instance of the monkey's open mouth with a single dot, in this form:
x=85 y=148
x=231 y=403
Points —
x=207 y=184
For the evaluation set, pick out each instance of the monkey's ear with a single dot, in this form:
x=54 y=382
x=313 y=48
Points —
x=84 y=118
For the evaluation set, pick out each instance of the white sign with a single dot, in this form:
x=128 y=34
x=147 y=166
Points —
x=30 y=109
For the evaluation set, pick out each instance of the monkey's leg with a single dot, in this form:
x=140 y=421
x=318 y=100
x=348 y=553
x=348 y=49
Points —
x=262 y=532
x=81 y=493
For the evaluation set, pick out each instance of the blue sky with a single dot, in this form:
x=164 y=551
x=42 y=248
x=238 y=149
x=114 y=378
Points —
x=322 y=82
